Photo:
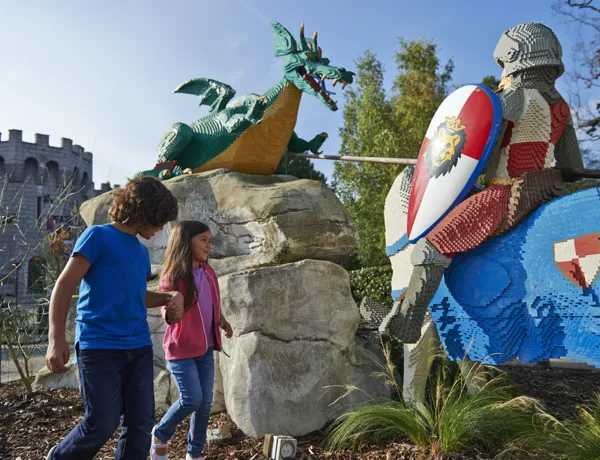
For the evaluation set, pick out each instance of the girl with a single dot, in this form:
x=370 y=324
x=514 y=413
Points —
x=189 y=344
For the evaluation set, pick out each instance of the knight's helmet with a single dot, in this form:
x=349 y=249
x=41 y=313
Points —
x=527 y=46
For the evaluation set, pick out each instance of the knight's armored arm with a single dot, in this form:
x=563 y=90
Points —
x=566 y=152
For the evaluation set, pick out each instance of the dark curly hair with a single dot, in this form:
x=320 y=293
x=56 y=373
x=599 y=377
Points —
x=143 y=201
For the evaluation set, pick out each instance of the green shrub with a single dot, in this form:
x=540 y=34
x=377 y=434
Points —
x=571 y=187
x=577 y=439
x=372 y=282
x=472 y=411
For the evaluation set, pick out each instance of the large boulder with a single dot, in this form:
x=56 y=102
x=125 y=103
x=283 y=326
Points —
x=157 y=332
x=255 y=220
x=166 y=391
x=46 y=379
x=293 y=347
x=308 y=300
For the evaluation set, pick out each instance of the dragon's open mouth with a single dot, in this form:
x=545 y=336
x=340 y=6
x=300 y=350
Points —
x=317 y=82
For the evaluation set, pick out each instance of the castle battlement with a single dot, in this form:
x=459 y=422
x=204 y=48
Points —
x=42 y=142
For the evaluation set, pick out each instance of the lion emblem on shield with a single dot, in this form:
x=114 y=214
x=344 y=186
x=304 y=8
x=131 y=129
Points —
x=445 y=148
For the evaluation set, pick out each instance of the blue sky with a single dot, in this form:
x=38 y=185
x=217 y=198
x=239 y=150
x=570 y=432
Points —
x=102 y=73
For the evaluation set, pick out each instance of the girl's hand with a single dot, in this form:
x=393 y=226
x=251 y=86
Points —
x=226 y=327
x=174 y=308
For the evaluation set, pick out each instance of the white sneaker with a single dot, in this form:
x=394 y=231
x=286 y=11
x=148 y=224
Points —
x=49 y=456
x=189 y=457
x=153 y=454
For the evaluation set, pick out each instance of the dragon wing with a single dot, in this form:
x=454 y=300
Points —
x=212 y=93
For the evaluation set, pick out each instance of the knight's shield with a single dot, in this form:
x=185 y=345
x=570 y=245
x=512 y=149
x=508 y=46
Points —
x=457 y=145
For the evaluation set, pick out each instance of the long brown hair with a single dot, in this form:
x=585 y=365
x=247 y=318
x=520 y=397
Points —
x=179 y=258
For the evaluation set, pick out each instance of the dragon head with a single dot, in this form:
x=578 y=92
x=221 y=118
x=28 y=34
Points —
x=305 y=67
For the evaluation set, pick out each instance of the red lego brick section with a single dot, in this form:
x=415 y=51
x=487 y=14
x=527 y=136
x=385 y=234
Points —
x=560 y=113
x=572 y=271
x=526 y=156
x=472 y=221
x=418 y=187
x=530 y=156
x=508 y=134
x=587 y=245
x=170 y=164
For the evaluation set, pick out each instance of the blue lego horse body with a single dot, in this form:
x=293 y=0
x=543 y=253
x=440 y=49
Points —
x=509 y=298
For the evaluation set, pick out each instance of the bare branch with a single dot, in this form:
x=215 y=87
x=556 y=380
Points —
x=583 y=5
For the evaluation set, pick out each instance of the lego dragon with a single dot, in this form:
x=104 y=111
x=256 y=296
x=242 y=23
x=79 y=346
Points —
x=250 y=134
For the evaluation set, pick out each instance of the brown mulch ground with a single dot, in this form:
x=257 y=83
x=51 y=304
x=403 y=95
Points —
x=31 y=424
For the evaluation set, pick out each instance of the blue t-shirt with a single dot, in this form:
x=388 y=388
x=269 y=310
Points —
x=111 y=313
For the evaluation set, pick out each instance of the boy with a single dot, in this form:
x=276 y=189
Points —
x=112 y=340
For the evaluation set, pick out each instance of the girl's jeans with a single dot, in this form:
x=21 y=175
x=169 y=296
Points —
x=194 y=378
x=116 y=386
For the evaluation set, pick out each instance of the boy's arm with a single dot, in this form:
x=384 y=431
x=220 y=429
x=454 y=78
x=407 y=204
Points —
x=58 y=352
x=156 y=299
x=172 y=300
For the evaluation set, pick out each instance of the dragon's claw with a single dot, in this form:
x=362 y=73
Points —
x=316 y=143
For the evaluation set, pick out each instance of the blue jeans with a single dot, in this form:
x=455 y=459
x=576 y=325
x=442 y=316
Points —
x=195 y=378
x=116 y=386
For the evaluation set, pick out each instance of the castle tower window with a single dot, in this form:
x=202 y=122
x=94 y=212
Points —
x=36 y=275
x=2 y=167
x=75 y=177
x=52 y=173
x=85 y=183
x=31 y=170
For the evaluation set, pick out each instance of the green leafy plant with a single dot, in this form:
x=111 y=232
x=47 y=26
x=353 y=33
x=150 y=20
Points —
x=571 y=187
x=468 y=409
x=385 y=123
x=577 y=439
x=372 y=282
x=302 y=168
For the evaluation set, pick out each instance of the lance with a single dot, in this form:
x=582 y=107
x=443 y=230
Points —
x=569 y=175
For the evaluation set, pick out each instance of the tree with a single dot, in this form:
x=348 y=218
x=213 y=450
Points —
x=491 y=82
x=302 y=168
x=376 y=124
x=584 y=15
x=39 y=250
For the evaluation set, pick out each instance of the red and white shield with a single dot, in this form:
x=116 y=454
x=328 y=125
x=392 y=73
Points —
x=457 y=145
x=578 y=259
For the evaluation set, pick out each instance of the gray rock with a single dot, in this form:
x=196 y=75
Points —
x=308 y=300
x=218 y=435
x=281 y=387
x=46 y=379
x=292 y=349
x=255 y=220
x=70 y=324
x=165 y=391
x=218 y=404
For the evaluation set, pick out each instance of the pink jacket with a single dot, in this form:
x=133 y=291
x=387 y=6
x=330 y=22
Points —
x=187 y=338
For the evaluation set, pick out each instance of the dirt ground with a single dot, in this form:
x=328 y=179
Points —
x=31 y=424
